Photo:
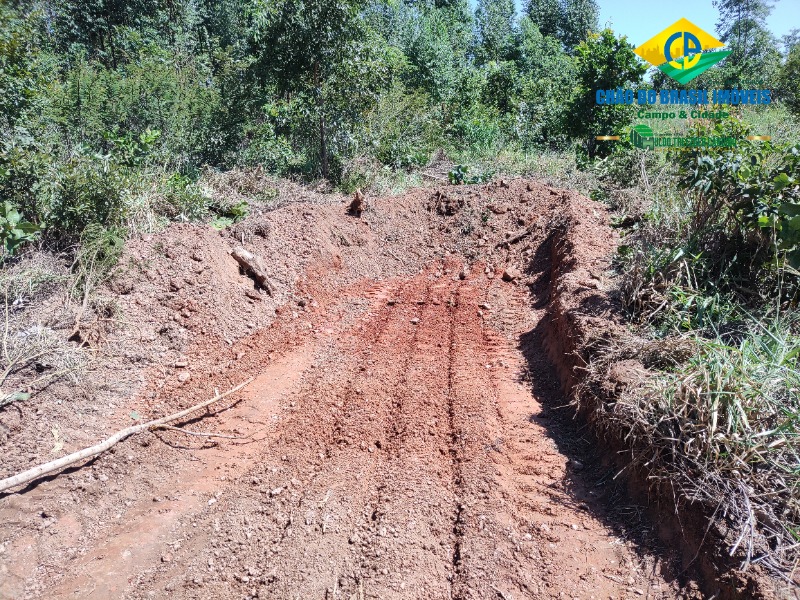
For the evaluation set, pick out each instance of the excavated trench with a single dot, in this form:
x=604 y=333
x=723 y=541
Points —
x=406 y=434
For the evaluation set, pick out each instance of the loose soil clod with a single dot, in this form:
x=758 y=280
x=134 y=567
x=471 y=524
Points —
x=254 y=267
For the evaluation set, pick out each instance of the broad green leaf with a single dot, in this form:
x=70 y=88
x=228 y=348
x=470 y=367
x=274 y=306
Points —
x=790 y=209
x=781 y=181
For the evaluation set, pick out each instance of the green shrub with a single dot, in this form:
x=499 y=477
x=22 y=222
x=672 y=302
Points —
x=25 y=164
x=502 y=86
x=402 y=131
x=459 y=176
x=182 y=200
x=228 y=215
x=269 y=150
x=477 y=130
x=89 y=189
x=752 y=187
x=604 y=62
x=14 y=231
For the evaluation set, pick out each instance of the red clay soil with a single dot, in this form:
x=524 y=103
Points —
x=405 y=435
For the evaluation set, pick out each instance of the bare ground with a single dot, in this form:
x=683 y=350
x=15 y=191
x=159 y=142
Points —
x=405 y=435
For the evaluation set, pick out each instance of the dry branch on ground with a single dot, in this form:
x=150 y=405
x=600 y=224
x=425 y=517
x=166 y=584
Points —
x=65 y=461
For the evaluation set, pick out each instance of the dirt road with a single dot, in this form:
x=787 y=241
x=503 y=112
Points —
x=403 y=438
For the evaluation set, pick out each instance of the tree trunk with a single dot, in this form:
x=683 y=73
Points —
x=323 y=145
x=323 y=142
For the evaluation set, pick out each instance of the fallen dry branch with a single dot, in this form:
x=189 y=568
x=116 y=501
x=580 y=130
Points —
x=252 y=266
x=65 y=461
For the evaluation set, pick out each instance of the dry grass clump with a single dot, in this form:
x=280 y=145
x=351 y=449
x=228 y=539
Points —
x=34 y=352
x=239 y=185
x=720 y=423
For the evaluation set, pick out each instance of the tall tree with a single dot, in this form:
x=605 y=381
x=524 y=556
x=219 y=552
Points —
x=97 y=25
x=460 y=23
x=495 y=24
x=578 y=21
x=790 y=40
x=547 y=15
x=223 y=20
x=318 y=51
x=789 y=80
x=431 y=53
x=754 y=50
x=603 y=62
x=17 y=54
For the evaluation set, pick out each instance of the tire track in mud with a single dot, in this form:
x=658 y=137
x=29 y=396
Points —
x=350 y=455
x=478 y=570
x=455 y=459
x=398 y=473
x=412 y=520
x=332 y=449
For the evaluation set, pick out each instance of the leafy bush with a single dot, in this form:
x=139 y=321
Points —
x=477 y=130
x=754 y=187
x=604 y=62
x=502 y=86
x=181 y=199
x=24 y=166
x=401 y=131
x=14 y=232
x=458 y=176
x=88 y=188
x=269 y=150
x=228 y=215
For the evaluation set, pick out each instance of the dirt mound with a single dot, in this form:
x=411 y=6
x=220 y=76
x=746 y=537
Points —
x=404 y=436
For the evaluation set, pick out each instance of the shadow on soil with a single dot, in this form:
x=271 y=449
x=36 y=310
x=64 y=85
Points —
x=590 y=478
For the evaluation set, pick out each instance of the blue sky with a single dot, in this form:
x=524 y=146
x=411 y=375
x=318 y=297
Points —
x=642 y=20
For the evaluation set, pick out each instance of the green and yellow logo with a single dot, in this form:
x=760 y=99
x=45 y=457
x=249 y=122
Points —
x=680 y=51
x=642 y=137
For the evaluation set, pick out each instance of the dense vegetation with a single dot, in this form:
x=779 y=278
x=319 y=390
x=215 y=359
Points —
x=112 y=112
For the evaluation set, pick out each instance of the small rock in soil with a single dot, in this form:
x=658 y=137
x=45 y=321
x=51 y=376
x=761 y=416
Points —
x=511 y=274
